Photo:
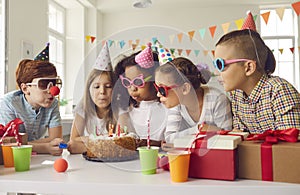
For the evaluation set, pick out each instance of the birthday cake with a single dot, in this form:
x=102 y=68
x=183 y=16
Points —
x=111 y=148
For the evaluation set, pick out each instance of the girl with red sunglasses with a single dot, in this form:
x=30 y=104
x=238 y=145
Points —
x=178 y=84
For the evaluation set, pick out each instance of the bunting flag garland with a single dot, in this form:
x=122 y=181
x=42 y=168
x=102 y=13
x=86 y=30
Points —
x=122 y=43
x=171 y=38
x=296 y=7
x=179 y=51
x=90 y=38
x=212 y=30
x=197 y=51
x=179 y=36
x=188 y=51
x=93 y=39
x=205 y=52
x=266 y=17
x=225 y=27
x=280 y=12
x=292 y=49
x=191 y=34
x=202 y=33
x=154 y=40
x=213 y=52
x=239 y=23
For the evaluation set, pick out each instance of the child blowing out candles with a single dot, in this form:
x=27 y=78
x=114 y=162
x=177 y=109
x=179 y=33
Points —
x=94 y=110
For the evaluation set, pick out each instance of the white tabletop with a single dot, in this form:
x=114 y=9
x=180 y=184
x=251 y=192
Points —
x=84 y=177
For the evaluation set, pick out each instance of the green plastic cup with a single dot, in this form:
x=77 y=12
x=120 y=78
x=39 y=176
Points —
x=22 y=157
x=148 y=159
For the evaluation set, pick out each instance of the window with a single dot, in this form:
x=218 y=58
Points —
x=281 y=37
x=57 y=39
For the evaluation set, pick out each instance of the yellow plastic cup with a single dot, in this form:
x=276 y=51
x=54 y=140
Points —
x=179 y=162
x=22 y=157
x=8 y=158
x=148 y=159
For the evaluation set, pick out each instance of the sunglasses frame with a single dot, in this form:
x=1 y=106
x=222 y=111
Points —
x=50 y=84
x=165 y=88
x=131 y=82
x=226 y=62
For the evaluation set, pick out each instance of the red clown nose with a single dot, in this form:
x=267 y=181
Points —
x=54 y=90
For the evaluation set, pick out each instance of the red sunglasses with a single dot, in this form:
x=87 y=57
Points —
x=163 y=90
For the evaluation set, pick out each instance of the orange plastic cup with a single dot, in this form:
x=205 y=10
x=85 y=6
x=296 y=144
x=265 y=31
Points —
x=179 y=162
x=8 y=157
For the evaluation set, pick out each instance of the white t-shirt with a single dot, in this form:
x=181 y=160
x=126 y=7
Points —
x=216 y=111
x=157 y=114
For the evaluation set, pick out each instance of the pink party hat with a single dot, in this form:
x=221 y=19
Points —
x=164 y=54
x=249 y=22
x=145 y=57
x=103 y=61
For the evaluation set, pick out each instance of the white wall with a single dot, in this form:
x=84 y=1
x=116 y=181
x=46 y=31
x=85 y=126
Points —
x=27 y=20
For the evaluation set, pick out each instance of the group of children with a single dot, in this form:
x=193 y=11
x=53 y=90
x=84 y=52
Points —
x=151 y=93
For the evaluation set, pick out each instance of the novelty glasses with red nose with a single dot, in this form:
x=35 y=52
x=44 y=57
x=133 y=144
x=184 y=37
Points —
x=45 y=84
x=163 y=90
x=138 y=81
x=220 y=63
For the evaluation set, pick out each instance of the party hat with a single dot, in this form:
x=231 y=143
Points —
x=145 y=57
x=103 y=61
x=164 y=54
x=44 y=54
x=249 y=22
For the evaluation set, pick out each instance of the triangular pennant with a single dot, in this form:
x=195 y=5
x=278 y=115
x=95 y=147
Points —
x=87 y=38
x=143 y=47
x=213 y=52
x=134 y=46
x=292 y=49
x=296 y=7
x=93 y=39
x=239 y=23
x=202 y=33
x=265 y=16
x=205 y=52
x=225 y=27
x=280 y=12
x=130 y=43
x=172 y=50
x=179 y=51
x=110 y=42
x=103 y=42
x=179 y=36
x=122 y=43
x=280 y=50
x=171 y=38
x=191 y=34
x=212 y=30
x=154 y=39
x=196 y=52
x=103 y=61
x=254 y=17
x=162 y=39
x=188 y=51
x=137 y=41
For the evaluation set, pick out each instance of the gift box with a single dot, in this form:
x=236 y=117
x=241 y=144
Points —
x=269 y=160
x=213 y=156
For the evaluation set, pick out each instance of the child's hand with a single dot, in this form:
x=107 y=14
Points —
x=53 y=147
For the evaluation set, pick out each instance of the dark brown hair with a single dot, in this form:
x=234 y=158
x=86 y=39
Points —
x=250 y=45
x=28 y=70
x=182 y=69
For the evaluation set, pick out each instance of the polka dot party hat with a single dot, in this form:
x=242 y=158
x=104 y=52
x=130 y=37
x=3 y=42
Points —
x=249 y=22
x=44 y=54
x=164 y=54
x=103 y=61
x=145 y=57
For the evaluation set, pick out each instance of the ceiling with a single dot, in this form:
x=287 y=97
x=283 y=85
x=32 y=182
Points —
x=125 y=5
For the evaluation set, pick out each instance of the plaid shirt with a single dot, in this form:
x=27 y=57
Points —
x=273 y=104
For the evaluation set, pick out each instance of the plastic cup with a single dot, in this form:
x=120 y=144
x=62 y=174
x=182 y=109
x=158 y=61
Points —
x=148 y=159
x=22 y=157
x=179 y=162
x=8 y=158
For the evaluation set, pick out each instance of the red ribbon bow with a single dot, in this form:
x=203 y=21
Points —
x=272 y=136
x=11 y=129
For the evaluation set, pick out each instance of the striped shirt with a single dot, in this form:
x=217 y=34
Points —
x=274 y=104
x=14 y=105
x=216 y=111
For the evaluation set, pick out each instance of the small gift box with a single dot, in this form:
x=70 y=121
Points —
x=271 y=156
x=213 y=156
x=10 y=134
